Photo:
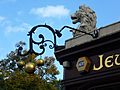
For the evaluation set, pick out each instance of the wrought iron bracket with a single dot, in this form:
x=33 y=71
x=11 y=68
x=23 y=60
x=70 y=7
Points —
x=43 y=43
x=95 y=33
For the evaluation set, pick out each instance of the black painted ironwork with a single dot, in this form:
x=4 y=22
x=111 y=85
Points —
x=43 y=43
x=95 y=33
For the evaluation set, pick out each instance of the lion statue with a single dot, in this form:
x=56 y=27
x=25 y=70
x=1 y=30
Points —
x=87 y=19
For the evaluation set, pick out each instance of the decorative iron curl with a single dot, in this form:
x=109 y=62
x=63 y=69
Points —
x=43 y=43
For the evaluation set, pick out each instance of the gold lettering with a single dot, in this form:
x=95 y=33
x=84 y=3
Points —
x=101 y=64
x=108 y=60
x=116 y=59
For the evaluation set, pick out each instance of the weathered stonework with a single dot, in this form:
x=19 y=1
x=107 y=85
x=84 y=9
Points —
x=103 y=31
x=87 y=19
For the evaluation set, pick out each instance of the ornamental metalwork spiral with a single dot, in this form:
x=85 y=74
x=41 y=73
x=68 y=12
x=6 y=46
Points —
x=43 y=43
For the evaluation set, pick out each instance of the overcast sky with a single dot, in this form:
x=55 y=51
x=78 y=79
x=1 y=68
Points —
x=17 y=17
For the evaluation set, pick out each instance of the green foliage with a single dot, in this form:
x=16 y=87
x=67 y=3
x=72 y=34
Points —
x=14 y=78
x=24 y=81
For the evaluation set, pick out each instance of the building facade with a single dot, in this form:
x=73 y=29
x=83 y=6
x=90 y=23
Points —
x=92 y=63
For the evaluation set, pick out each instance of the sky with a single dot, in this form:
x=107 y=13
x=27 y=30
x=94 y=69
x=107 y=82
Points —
x=17 y=17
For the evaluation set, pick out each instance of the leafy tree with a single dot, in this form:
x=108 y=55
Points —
x=13 y=77
x=25 y=81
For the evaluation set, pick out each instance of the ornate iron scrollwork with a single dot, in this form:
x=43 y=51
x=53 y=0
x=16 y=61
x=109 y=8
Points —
x=43 y=43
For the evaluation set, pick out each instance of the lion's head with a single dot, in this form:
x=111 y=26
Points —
x=86 y=17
